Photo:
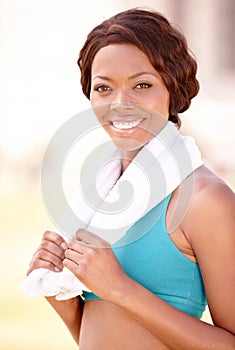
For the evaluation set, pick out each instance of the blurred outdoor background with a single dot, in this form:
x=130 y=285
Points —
x=40 y=89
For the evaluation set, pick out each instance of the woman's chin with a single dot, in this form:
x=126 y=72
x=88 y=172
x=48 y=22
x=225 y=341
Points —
x=128 y=145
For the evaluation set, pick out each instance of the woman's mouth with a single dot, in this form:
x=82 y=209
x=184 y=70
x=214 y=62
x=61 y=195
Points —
x=126 y=125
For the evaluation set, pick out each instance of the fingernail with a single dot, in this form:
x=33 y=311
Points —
x=57 y=269
x=64 y=245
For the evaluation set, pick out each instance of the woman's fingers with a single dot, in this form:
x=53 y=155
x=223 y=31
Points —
x=73 y=255
x=47 y=260
x=55 y=238
x=39 y=263
x=52 y=248
x=50 y=253
x=84 y=248
x=47 y=257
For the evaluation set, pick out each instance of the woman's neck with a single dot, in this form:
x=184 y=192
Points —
x=127 y=157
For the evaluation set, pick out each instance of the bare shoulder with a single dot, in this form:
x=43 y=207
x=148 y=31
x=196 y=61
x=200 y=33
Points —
x=210 y=228
x=213 y=202
x=208 y=183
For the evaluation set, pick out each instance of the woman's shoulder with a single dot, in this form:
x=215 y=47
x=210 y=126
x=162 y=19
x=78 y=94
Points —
x=210 y=187
x=212 y=201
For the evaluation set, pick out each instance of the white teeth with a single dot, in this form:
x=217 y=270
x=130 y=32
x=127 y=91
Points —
x=126 y=125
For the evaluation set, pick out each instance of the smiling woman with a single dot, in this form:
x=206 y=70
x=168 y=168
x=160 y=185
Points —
x=150 y=288
x=161 y=43
x=125 y=92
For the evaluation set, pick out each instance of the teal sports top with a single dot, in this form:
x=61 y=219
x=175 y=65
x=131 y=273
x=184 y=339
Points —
x=148 y=255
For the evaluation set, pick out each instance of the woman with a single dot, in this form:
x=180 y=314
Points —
x=137 y=58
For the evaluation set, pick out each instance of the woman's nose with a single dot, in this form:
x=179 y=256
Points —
x=121 y=106
x=121 y=102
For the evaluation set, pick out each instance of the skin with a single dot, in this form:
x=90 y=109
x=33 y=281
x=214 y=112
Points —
x=129 y=316
x=136 y=91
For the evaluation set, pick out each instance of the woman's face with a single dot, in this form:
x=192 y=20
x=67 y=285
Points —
x=128 y=96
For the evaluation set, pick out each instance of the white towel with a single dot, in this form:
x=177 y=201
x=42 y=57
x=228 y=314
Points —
x=108 y=204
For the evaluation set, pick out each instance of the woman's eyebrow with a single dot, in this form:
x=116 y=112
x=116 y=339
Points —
x=136 y=75
x=133 y=76
x=101 y=77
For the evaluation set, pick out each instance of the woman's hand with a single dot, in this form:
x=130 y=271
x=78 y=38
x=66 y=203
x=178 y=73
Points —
x=50 y=253
x=92 y=260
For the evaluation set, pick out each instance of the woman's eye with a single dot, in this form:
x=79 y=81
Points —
x=102 y=88
x=143 y=86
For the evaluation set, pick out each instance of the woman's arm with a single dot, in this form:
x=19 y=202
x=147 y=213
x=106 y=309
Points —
x=210 y=228
x=50 y=255
x=70 y=311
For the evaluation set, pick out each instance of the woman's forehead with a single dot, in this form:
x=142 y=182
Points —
x=121 y=56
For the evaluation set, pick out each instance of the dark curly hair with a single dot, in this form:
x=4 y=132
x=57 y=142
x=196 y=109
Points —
x=164 y=45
